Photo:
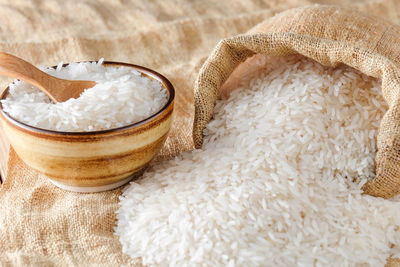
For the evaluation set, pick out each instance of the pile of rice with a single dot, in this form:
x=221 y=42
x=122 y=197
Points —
x=277 y=182
x=121 y=97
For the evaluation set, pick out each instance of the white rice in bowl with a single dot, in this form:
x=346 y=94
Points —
x=122 y=96
x=277 y=182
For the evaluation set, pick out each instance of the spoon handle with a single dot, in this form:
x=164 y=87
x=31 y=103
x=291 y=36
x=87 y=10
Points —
x=18 y=68
x=58 y=90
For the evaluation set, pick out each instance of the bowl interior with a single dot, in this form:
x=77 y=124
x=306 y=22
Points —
x=143 y=70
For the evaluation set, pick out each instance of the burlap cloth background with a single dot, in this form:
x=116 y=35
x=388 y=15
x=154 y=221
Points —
x=41 y=225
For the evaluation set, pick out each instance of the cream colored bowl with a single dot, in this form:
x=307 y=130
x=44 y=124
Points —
x=92 y=161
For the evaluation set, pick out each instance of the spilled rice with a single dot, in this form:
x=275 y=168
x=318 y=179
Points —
x=277 y=182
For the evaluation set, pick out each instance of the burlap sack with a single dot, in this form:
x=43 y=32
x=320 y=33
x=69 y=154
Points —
x=41 y=225
x=329 y=35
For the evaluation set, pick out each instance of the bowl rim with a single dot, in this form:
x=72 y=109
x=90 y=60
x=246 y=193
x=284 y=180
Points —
x=149 y=72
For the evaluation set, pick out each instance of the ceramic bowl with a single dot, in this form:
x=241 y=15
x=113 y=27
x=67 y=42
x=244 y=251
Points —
x=92 y=161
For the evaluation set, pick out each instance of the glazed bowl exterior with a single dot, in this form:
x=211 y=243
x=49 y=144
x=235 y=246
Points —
x=92 y=161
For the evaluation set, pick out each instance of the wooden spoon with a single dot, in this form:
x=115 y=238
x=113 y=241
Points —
x=58 y=90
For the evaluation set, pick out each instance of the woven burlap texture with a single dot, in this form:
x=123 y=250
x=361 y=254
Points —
x=41 y=225
x=331 y=36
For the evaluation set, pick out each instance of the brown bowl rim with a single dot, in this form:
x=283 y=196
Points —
x=153 y=74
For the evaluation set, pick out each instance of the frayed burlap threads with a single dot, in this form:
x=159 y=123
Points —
x=331 y=36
